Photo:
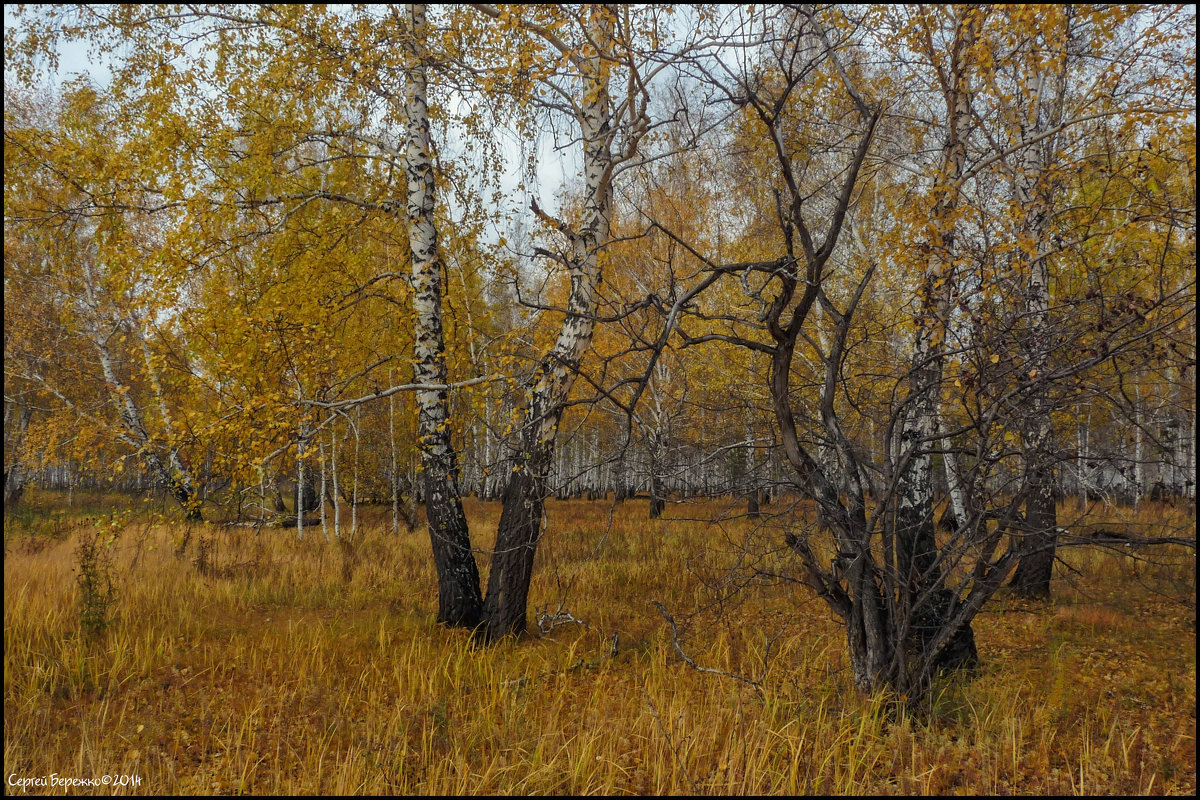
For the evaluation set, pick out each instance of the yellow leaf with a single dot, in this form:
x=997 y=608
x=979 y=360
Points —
x=995 y=359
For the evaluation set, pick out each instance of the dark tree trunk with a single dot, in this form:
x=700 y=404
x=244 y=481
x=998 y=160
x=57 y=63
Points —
x=14 y=487
x=1033 y=573
x=930 y=607
x=868 y=634
x=306 y=498
x=656 y=507
x=186 y=497
x=408 y=513
x=459 y=602
x=960 y=652
x=657 y=503
x=516 y=545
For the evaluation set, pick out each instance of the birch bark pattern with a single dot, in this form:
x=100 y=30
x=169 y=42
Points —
x=958 y=505
x=524 y=499
x=459 y=601
x=1031 y=194
x=917 y=559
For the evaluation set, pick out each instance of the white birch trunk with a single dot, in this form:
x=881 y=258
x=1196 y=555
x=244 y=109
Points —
x=395 y=461
x=522 y=516
x=299 y=496
x=1138 y=470
x=321 y=461
x=337 y=499
x=916 y=546
x=458 y=577
x=958 y=504
x=354 y=489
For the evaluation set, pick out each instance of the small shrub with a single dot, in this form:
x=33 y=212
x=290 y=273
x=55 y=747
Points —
x=204 y=545
x=97 y=587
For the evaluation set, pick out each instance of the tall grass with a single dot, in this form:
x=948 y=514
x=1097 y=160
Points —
x=270 y=665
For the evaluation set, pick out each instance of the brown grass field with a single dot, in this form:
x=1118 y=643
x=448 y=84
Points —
x=255 y=663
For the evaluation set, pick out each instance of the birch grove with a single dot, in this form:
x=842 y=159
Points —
x=854 y=270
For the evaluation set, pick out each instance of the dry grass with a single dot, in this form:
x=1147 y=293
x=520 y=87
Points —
x=257 y=663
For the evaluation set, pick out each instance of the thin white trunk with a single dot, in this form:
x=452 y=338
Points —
x=354 y=490
x=957 y=503
x=337 y=500
x=486 y=467
x=1138 y=472
x=321 y=461
x=1191 y=487
x=395 y=461
x=179 y=472
x=299 y=496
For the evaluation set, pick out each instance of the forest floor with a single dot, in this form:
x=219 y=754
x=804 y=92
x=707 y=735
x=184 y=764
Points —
x=252 y=662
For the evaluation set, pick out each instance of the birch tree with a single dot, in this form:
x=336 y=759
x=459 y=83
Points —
x=609 y=133
x=460 y=603
x=93 y=239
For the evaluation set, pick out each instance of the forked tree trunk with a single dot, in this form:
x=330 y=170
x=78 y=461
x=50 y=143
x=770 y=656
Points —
x=868 y=636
